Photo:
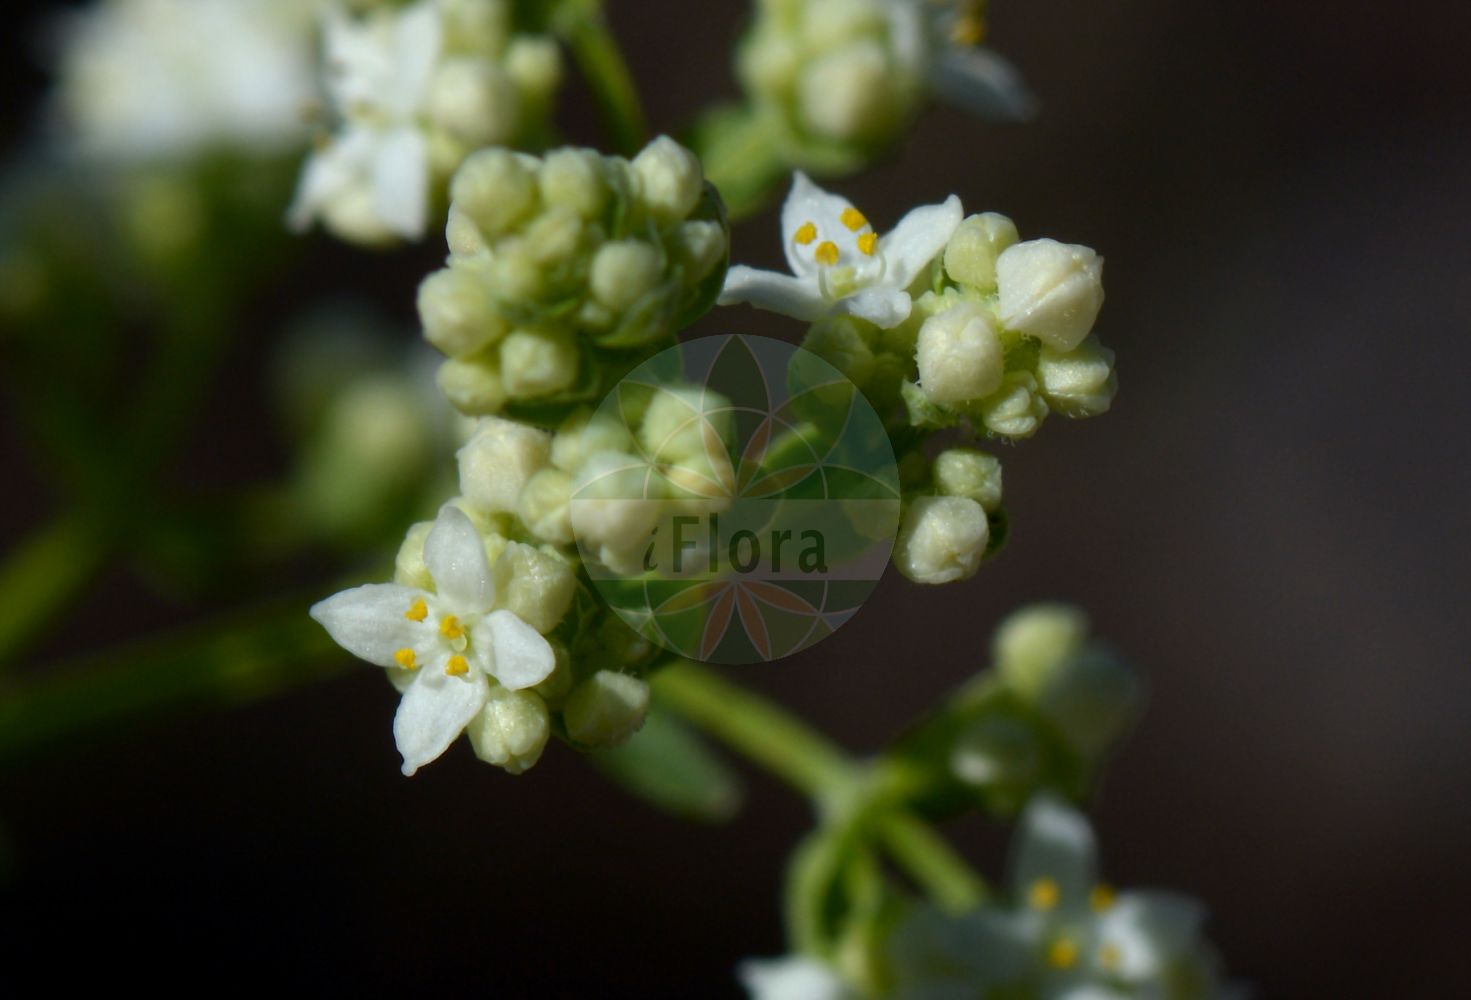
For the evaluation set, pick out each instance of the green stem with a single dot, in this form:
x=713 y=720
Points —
x=41 y=575
x=585 y=30
x=946 y=877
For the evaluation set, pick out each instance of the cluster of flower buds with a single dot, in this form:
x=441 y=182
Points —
x=413 y=89
x=566 y=270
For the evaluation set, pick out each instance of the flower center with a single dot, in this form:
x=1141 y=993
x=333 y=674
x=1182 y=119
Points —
x=1062 y=953
x=1043 y=894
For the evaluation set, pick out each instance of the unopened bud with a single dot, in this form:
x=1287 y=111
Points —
x=941 y=539
x=512 y=729
x=499 y=460
x=1080 y=383
x=970 y=256
x=606 y=709
x=1050 y=290
x=959 y=354
x=966 y=472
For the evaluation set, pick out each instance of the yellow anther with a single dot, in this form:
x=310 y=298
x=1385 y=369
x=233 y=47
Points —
x=968 y=30
x=418 y=611
x=1109 y=957
x=826 y=253
x=1043 y=894
x=1101 y=898
x=868 y=243
x=1062 y=953
x=449 y=627
x=405 y=658
x=853 y=219
x=457 y=666
x=806 y=233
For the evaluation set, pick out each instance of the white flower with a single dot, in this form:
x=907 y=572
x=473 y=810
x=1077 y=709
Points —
x=839 y=264
x=795 y=977
x=443 y=648
x=164 y=79
x=371 y=181
x=970 y=76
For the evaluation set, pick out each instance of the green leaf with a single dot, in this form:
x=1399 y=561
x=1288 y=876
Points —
x=670 y=767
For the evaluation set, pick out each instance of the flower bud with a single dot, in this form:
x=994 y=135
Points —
x=959 y=354
x=624 y=271
x=966 y=472
x=1080 y=383
x=941 y=539
x=669 y=179
x=615 y=505
x=537 y=363
x=840 y=341
x=846 y=95
x=1050 y=290
x=970 y=256
x=1032 y=642
x=498 y=461
x=458 y=316
x=701 y=245
x=473 y=385
x=1015 y=410
x=1092 y=697
x=475 y=100
x=573 y=179
x=583 y=434
x=606 y=709
x=496 y=188
x=998 y=754
x=554 y=238
x=682 y=423
x=463 y=235
x=535 y=66
x=408 y=566
x=536 y=585
x=512 y=729
x=543 y=508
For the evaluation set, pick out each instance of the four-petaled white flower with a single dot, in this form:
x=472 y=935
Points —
x=839 y=264
x=443 y=649
x=371 y=180
x=963 y=72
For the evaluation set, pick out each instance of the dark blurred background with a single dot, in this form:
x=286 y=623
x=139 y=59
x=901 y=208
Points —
x=1270 y=521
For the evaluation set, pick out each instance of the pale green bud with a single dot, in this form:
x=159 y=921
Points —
x=941 y=539
x=583 y=434
x=701 y=245
x=1050 y=290
x=408 y=566
x=471 y=25
x=1080 y=383
x=846 y=95
x=496 y=188
x=352 y=214
x=669 y=179
x=966 y=472
x=606 y=709
x=769 y=62
x=573 y=179
x=615 y=505
x=538 y=363
x=970 y=256
x=959 y=354
x=558 y=683
x=542 y=506
x=1092 y=697
x=555 y=237
x=512 y=729
x=624 y=271
x=474 y=99
x=535 y=64
x=679 y=424
x=513 y=274
x=473 y=385
x=458 y=315
x=536 y=585
x=499 y=460
x=840 y=341
x=463 y=235
x=1032 y=643
x=1015 y=410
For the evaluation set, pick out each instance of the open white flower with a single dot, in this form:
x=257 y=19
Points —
x=792 y=977
x=839 y=264
x=969 y=75
x=371 y=180
x=443 y=648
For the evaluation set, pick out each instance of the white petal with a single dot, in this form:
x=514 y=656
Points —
x=799 y=298
x=369 y=622
x=418 y=45
x=519 y=655
x=792 y=978
x=434 y=711
x=881 y=305
x=805 y=203
x=918 y=239
x=455 y=556
x=981 y=82
x=328 y=173
x=1054 y=841
x=1150 y=930
x=401 y=181
x=1088 y=992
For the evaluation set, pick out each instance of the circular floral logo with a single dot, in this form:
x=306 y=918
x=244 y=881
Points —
x=739 y=500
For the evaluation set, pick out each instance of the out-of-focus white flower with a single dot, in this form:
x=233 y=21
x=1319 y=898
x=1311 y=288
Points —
x=839 y=264
x=166 y=79
x=444 y=648
x=794 y=977
x=964 y=73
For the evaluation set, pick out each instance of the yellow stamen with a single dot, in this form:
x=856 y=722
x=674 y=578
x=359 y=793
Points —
x=418 y=611
x=449 y=627
x=806 y=233
x=1043 y=894
x=826 y=253
x=405 y=658
x=1062 y=954
x=1101 y=898
x=868 y=243
x=1109 y=957
x=969 y=30
x=457 y=666
x=853 y=219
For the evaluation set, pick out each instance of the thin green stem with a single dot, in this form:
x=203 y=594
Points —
x=41 y=575
x=946 y=877
x=584 y=27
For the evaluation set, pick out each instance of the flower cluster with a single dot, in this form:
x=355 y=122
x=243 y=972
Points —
x=840 y=79
x=1059 y=933
x=567 y=269
x=413 y=90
